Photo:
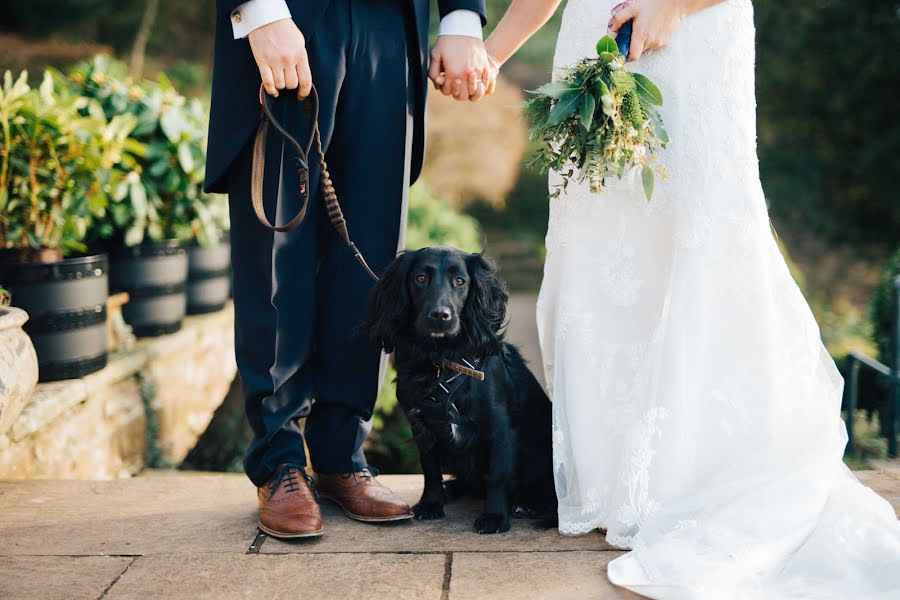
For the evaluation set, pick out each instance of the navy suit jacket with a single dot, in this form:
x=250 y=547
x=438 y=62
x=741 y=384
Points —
x=234 y=113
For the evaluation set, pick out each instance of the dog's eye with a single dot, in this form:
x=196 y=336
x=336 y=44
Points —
x=459 y=282
x=420 y=278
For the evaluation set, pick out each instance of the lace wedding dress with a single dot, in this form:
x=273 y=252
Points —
x=696 y=412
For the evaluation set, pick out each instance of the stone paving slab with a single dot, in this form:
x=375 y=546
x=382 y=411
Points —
x=173 y=513
x=58 y=578
x=452 y=534
x=535 y=575
x=294 y=576
x=187 y=535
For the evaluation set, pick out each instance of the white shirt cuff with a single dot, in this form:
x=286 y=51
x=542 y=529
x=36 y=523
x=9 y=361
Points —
x=256 y=13
x=461 y=22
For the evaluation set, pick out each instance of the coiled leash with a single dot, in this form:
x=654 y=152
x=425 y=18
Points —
x=332 y=206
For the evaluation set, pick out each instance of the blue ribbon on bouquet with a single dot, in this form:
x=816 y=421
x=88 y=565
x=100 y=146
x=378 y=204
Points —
x=623 y=39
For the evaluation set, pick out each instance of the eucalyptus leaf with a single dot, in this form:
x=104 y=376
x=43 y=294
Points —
x=555 y=89
x=586 y=111
x=607 y=44
x=647 y=179
x=565 y=107
x=647 y=89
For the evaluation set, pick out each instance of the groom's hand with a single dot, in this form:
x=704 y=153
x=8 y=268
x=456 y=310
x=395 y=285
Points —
x=460 y=68
x=279 y=49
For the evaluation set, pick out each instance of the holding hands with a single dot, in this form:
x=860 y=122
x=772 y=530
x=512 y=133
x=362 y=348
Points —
x=461 y=67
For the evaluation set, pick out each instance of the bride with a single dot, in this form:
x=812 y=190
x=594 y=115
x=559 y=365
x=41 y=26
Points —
x=696 y=412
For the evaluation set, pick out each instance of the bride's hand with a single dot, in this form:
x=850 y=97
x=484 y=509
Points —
x=654 y=24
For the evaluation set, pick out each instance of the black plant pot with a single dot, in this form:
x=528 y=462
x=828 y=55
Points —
x=155 y=276
x=209 y=277
x=66 y=304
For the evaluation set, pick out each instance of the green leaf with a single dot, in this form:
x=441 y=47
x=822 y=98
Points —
x=607 y=57
x=648 y=90
x=135 y=234
x=647 y=179
x=185 y=158
x=656 y=123
x=555 y=89
x=602 y=88
x=565 y=107
x=173 y=124
x=138 y=200
x=607 y=44
x=586 y=111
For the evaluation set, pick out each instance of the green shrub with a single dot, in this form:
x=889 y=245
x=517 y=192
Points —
x=883 y=308
x=161 y=197
x=434 y=223
x=57 y=162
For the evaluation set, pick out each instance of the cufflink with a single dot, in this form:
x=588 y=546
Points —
x=236 y=16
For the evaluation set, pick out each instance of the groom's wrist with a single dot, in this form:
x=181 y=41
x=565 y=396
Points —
x=461 y=22
x=253 y=14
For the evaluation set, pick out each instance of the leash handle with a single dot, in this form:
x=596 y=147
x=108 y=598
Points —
x=332 y=206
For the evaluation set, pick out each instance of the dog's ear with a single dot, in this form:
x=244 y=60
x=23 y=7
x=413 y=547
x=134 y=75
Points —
x=389 y=304
x=485 y=311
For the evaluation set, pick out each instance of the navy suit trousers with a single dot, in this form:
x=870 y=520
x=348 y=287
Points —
x=299 y=296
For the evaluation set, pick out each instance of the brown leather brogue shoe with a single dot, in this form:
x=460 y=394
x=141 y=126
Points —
x=288 y=506
x=363 y=498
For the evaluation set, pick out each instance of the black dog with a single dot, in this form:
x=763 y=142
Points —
x=441 y=311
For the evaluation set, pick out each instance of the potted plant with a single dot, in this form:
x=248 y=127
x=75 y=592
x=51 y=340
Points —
x=57 y=153
x=158 y=208
x=209 y=258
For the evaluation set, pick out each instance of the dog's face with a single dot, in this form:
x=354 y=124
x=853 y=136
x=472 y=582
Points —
x=438 y=282
x=438 y=295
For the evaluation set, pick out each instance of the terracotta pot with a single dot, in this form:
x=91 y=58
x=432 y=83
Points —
x=18 y=366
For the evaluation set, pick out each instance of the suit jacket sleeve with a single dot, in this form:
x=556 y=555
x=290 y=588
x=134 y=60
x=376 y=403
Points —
x=448 y=6
x=224 y=7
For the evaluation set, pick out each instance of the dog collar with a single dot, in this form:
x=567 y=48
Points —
x=468 y=369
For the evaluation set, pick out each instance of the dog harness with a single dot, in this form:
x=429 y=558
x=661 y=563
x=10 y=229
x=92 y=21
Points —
x=436 y=420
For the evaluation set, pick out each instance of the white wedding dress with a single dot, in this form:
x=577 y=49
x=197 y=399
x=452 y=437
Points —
x=696 y=412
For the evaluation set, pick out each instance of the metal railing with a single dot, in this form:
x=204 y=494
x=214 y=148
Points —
x=892 y=373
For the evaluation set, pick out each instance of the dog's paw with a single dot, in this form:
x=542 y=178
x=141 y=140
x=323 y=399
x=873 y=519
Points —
x=428 y=511
x=492 y=523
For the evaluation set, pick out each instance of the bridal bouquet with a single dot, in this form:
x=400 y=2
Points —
x=598 y=120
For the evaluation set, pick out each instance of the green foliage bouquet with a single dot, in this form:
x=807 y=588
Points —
x=161 y=197
x=57 y=157
x=598 y=120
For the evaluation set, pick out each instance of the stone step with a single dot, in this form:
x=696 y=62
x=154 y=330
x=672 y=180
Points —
x=169 y=534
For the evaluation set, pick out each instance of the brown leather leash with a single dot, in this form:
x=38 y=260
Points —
x=332 y=206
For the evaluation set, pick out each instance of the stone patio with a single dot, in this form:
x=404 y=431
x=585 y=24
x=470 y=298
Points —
x=166 y=534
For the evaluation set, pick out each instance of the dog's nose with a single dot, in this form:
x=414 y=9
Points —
x=440 y=314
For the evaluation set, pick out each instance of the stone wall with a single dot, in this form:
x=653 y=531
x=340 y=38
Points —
x=97 y=427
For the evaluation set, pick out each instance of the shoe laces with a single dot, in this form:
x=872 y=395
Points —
x=289 y=474
x=369 y=473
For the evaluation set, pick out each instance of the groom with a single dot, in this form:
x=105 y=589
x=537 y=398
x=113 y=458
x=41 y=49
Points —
x=299 y=295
